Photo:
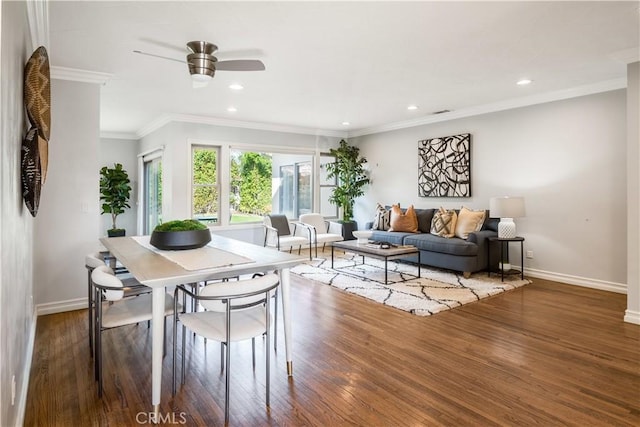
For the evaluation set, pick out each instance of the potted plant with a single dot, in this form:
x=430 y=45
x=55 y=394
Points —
x=180 y=234
x=114 y=194
x=351 y=177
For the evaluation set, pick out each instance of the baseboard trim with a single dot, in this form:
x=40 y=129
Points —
x=26 y=372
x=61 y=306
x=586 y=282
x=632 y=317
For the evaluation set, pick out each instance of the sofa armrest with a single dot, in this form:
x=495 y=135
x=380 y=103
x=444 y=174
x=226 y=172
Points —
x=481 y=238
x=368 y=225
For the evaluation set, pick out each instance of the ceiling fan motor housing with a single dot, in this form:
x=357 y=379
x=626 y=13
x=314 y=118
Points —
x=201 y=61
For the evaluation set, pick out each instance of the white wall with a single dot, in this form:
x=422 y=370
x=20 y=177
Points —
x=125 y=152
x=17 y=320
x=68 y=224
x=633 y=193
x=175 y=137
x=567 y=159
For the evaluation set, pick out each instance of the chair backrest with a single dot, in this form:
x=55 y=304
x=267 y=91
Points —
x=316 y=220
x=93 y=260
x=279 y=222
x=104 y=279
x=246 y=293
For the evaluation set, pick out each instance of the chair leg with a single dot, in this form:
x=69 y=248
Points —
x=184 y=344
x=222 y=345
x=175 y=340
x=275 y=321
x=90 y=310
x=253 y=352
x=268 y=354
x=228 y=367
x=98 y=345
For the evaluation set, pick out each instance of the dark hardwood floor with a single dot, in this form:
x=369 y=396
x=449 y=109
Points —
x=546 y=354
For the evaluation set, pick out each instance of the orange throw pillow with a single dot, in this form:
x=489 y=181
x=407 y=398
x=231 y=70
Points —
x=407 y=222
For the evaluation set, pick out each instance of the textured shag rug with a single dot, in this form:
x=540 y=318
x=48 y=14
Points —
x=435 y=291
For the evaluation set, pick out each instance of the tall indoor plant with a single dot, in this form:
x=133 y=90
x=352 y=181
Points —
x=114 y=194
x=351 y=177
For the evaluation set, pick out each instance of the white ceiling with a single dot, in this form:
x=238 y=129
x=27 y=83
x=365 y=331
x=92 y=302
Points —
x=330 y=62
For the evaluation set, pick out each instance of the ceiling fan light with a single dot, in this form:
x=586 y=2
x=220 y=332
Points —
x=201 y=78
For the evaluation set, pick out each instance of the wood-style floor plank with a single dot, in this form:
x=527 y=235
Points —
x=545 y=354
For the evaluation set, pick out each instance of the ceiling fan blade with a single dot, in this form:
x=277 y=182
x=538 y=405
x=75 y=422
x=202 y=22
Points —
x=160 y=56
x=240 y=65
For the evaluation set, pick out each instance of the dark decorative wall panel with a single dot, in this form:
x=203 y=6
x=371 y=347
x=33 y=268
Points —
x=444 y=168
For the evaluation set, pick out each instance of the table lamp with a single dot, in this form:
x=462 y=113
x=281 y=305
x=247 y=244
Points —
x=506 y=208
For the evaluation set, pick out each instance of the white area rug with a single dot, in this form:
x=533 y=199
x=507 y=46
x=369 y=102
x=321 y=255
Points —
x=435 y=291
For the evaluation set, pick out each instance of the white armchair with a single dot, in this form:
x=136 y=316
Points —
x=278 y=234
x=320 y=230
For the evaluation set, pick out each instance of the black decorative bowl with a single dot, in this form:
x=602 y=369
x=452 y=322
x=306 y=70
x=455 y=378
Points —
x=180 y=240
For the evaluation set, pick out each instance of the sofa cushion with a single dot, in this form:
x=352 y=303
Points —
x=404 y=221
x=432 y=243
x=395 y=237
x=382 y=218
x=444 y=223
x=424 y=219
x=469 y=221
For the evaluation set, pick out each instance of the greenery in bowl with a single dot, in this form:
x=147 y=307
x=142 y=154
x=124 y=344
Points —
x=181 y=225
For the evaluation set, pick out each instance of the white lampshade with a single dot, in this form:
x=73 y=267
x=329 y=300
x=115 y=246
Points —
x=506 y=208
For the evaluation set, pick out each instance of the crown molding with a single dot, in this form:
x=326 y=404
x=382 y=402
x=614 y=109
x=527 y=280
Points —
x=605 y=86
x=215 y=121
x=119 y=135
x=84 y=76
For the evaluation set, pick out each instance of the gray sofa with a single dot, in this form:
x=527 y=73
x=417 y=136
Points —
x=466 y=256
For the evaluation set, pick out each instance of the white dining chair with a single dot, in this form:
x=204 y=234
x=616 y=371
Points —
x=113 y=309
x=234 y=311
x=320 y=230
x=98 y=259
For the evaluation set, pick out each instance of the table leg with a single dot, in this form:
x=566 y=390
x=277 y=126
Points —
x=285 y=288
x=157 y=328
x=385 y=270
x=502 y=260
x=521 y=260
x=331 y=256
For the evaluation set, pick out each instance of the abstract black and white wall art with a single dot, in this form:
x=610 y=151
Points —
x=444 y=166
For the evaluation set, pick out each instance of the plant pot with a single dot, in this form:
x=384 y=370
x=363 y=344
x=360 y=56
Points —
x=348 y=227
x=180 y=240
x=116 y=232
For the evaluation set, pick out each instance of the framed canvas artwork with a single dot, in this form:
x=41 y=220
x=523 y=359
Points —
x=444 y=166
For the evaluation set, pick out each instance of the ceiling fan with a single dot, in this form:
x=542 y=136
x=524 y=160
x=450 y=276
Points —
x=203 y=65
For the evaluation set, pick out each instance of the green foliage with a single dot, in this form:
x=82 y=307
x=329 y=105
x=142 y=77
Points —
x=205 y=194
x=351 y=177
x=181 y=225
x=114 y=191
x=254 y=183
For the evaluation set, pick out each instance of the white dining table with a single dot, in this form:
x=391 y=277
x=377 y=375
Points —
x=153 y=269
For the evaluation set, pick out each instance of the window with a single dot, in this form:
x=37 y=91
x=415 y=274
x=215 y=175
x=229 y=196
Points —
x=152 y=192
x=262 y=183
x=205 y=184
x=327 y=209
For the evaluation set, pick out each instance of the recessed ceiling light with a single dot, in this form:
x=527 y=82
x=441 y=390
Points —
x=236 y=86
x=523 y=82
x=412 y=107
x=345 y=123
x=232 y=109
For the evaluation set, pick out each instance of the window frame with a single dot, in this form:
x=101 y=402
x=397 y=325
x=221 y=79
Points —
x=195 y=145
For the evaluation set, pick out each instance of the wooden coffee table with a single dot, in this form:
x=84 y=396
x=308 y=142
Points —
x=374 y=251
